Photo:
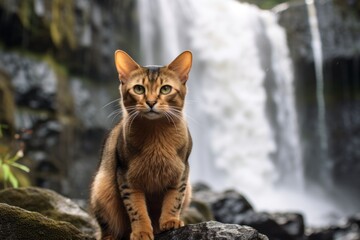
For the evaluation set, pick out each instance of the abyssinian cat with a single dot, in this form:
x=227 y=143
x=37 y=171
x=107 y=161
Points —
x=141 y=186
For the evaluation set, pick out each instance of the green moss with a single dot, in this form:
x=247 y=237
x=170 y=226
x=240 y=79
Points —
x=58 y=22
x=25 y=11
x=16 y=197
x=49 y=204
x=62 y=23
x=16 y=223
x=197 y=213
x=265 y=4
x=7 y=105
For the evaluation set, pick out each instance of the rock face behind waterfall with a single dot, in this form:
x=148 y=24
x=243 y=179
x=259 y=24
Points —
x=61 y=135
x=82 y=37
x=43 y=48
x=339 y=26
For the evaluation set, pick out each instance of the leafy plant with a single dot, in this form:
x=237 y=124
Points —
x=9 y=162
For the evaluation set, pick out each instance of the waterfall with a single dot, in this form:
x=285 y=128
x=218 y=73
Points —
x=318 y=63
x=240 y=104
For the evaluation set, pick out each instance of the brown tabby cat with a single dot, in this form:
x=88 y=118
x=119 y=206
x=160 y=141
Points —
x=141 y=186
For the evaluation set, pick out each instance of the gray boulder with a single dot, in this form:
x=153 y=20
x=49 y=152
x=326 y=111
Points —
x=212 y=230
x=233 y=208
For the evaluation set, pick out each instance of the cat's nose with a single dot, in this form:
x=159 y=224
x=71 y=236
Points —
x=151 y=103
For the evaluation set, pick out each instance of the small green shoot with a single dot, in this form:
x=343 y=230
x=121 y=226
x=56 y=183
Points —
x=8 y=162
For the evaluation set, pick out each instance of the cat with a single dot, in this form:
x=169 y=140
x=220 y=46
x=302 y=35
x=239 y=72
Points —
x=142 y=186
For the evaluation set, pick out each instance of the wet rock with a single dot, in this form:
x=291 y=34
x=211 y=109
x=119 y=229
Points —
x=76 y=36
x=225 y=205
x=266 y=224
x=232 y=207
x=292 y=223
x=212 y=231
x=34 y=82
x=197 y=187
x=339 y=29
x=51 y=205
x=197 y=212
x=345 y=230
x=7 y=104
x=17 y=223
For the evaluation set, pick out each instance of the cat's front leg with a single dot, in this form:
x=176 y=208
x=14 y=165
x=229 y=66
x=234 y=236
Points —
x=172 y=205
x=135 y=204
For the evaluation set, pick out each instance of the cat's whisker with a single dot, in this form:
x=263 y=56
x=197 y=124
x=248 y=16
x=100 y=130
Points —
x=170 y=118
x=115 y=116
x=131 y=119
x=115 y=112
x=130 y=108
x=175 y=115
x=112 y=102
x=186 y=115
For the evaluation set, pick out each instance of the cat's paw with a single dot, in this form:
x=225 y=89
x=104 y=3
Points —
x=172 y=223
x=142 y=235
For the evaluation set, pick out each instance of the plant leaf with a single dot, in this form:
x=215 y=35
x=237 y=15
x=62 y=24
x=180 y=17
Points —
x=21 y=166
x=14 y=182
x=6 y=170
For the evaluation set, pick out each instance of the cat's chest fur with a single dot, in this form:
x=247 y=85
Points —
x=156 y=162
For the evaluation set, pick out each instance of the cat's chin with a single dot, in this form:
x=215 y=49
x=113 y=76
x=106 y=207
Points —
x=153 y=115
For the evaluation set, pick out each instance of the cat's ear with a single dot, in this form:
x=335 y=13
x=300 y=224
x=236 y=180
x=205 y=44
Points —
x=124 y=65
x=182 y=65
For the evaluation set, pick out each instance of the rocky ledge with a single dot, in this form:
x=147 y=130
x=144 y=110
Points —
x=35 y=213
x=17 y=223
x=212 y=230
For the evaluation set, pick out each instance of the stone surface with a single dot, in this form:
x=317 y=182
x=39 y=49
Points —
x=51 y=205
x=77 y=36
x=347 y=229
x=17 y=223
x=292 y=223
x=58 y=119
x=233 y=208
x=266 y=224
x=339 y=29
x=212 y=231
x=225 y=205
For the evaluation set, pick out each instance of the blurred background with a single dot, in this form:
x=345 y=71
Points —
x=273 y=102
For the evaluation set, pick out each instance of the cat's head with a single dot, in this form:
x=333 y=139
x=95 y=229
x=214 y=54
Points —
x=153 y=92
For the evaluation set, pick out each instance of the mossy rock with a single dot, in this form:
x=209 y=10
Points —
x=51 y=205
x=17 y=223
x=197 y=212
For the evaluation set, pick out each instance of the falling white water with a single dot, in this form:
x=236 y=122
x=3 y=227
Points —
x=288 y=146
x=234 y=141
x=318 y=61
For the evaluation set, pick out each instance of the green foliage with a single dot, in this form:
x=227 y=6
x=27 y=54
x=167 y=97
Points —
x=59 y=20
x=265 y=4
x=24 y=13
x=9 y=162
x=62 y=23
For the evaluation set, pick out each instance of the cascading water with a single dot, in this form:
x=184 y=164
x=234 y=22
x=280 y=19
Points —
x=241 y=67
x=318 y=63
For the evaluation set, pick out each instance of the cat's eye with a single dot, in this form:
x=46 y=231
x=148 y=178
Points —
x=165 y=89
x=139 y=89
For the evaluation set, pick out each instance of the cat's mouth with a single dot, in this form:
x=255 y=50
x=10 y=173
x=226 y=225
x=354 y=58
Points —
x=151 y=114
